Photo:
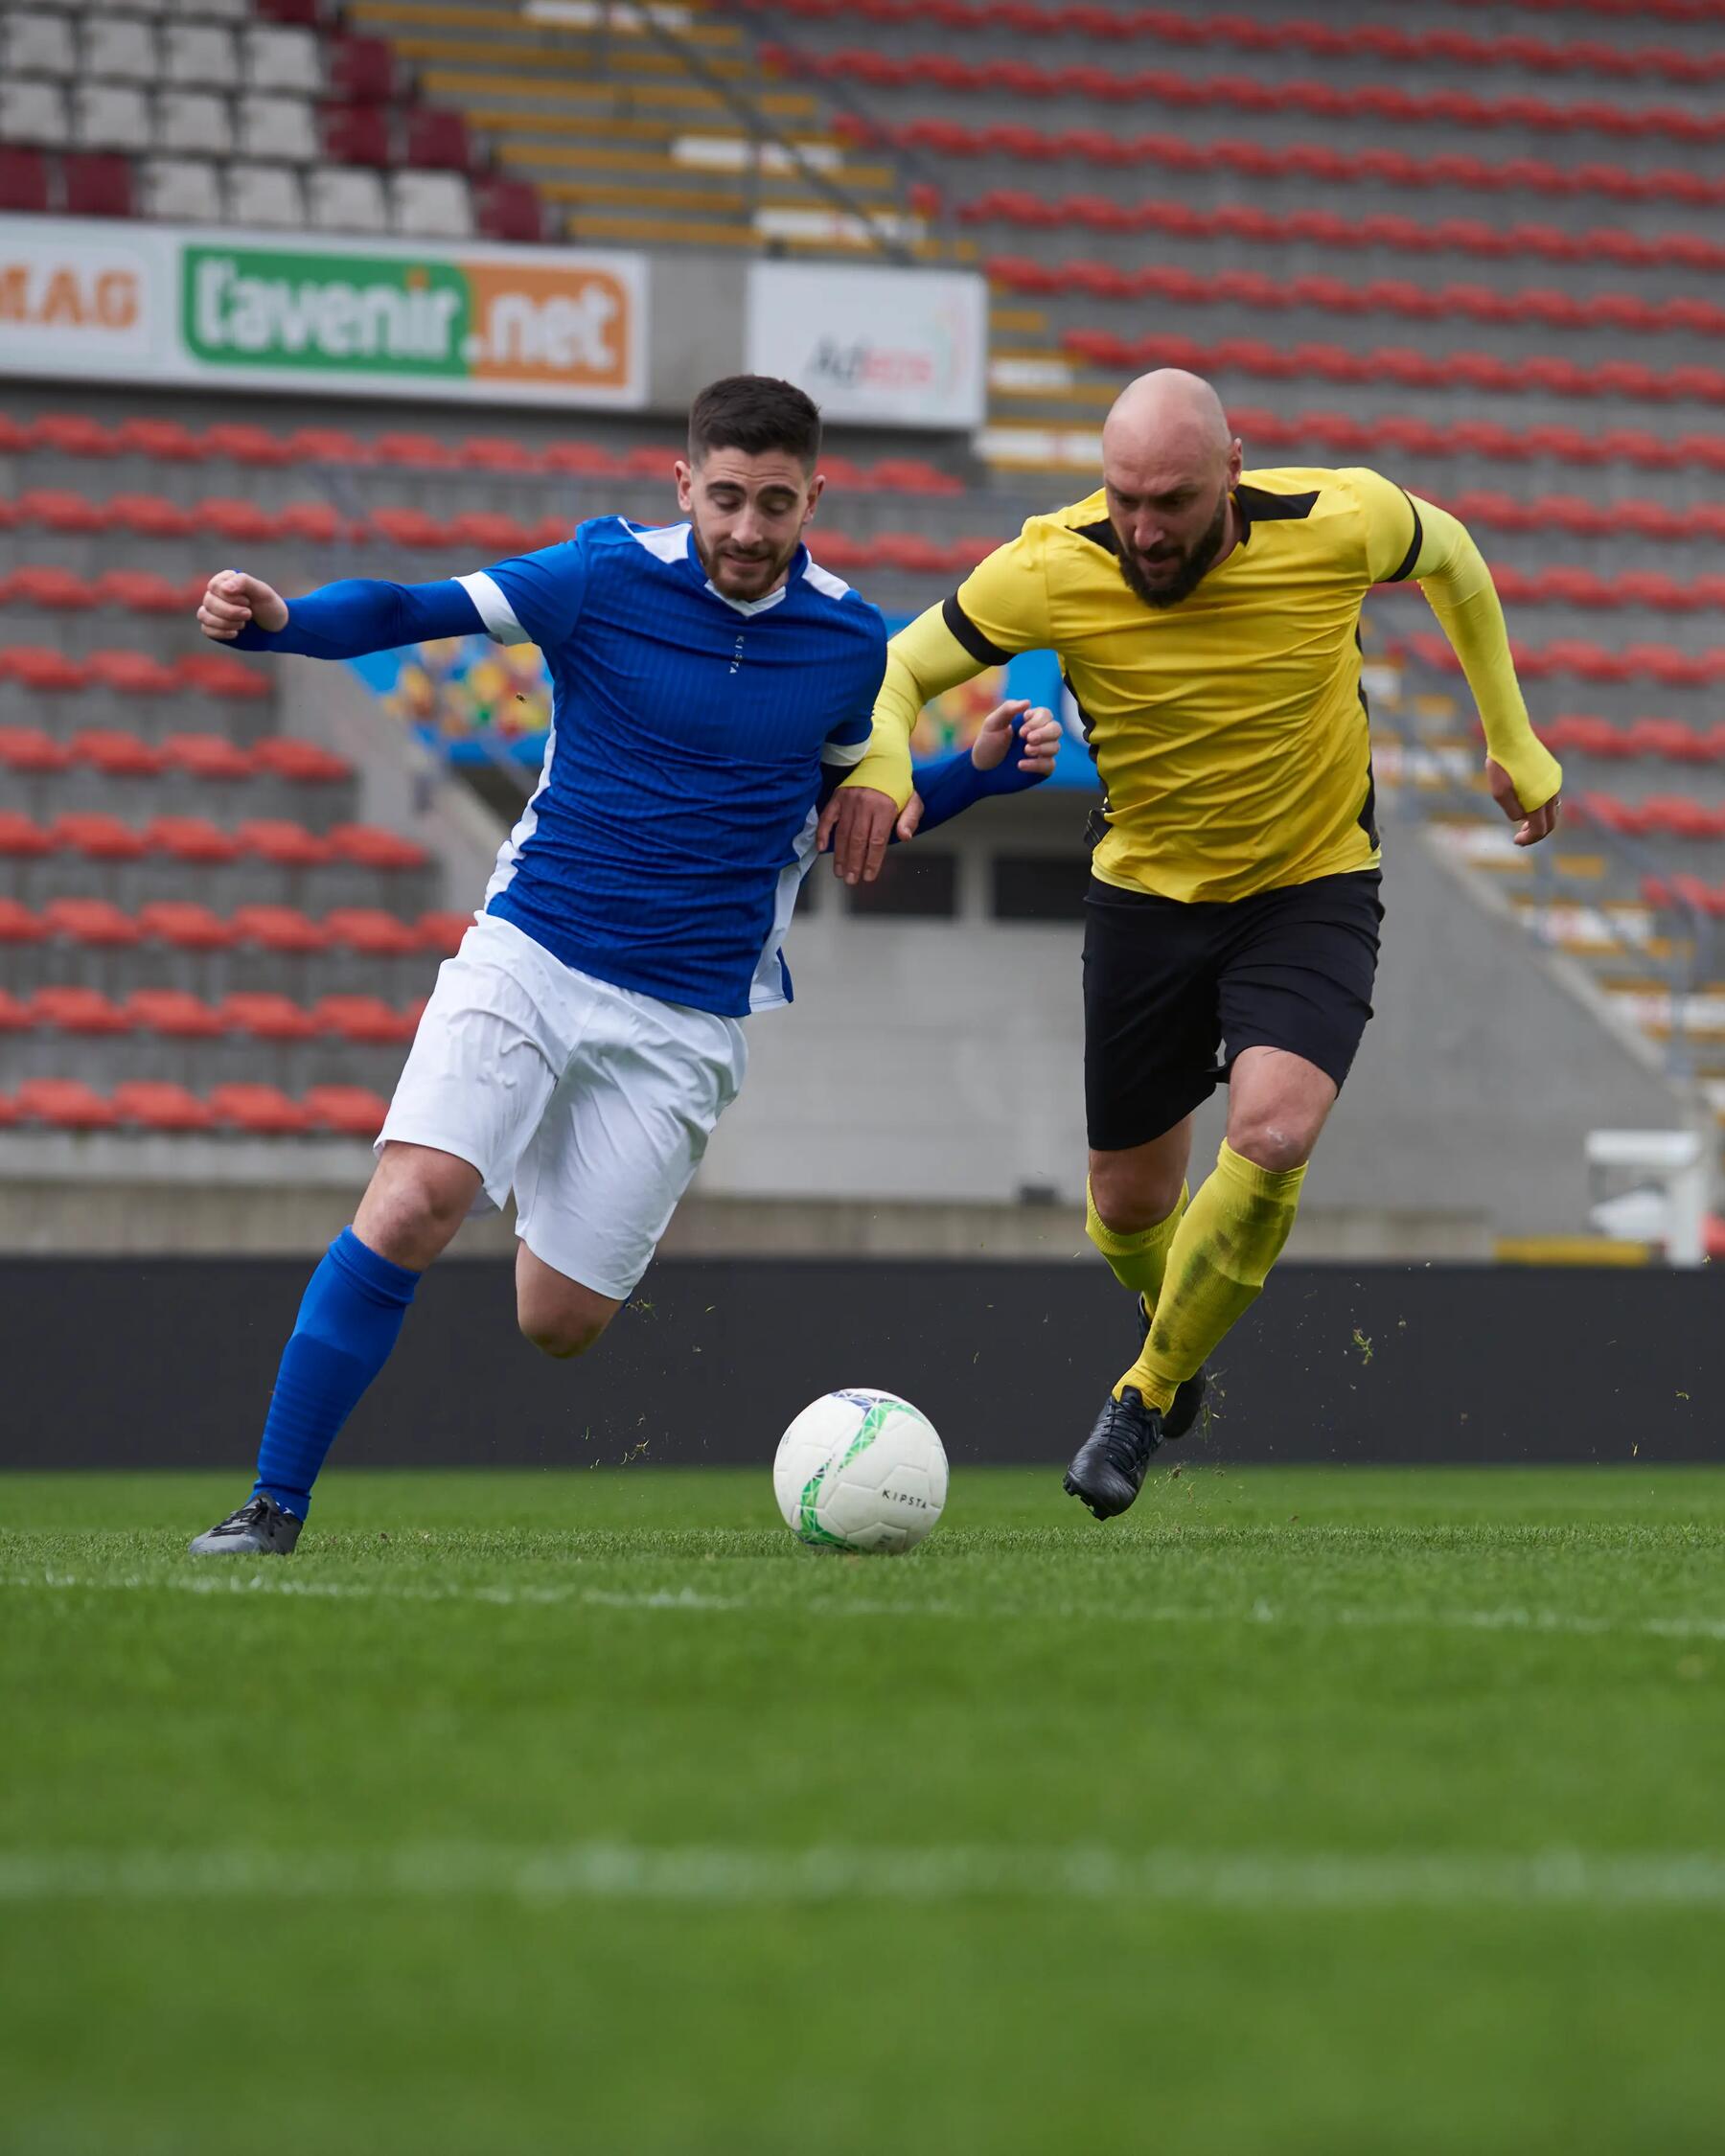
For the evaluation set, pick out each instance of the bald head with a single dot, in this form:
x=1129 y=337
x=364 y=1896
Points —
x=1169 y=460
x=1168 y=413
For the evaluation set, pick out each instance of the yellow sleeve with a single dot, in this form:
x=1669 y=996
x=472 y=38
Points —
x=1000 y=608
x=1392 y=532
x=1453 y=575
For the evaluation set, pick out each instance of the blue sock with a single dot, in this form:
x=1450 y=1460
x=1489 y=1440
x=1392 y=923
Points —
x=347 y=1321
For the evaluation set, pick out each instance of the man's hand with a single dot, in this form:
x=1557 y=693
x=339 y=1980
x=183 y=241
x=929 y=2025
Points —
x=231 y=600
x=1038 y=743
x=1533 y=824
x=858 y=822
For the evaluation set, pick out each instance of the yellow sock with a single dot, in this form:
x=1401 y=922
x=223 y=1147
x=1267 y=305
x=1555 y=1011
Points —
x=1231 y=1234
x=1138 y=1260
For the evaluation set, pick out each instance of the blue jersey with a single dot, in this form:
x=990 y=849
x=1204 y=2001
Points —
x=675 y=815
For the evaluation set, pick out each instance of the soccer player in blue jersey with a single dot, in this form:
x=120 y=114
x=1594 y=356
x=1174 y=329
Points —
x=712 y=684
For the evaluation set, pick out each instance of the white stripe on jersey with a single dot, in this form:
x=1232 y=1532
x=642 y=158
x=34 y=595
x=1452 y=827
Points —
x=844 y=752
x=824 y=580
x=494 y=609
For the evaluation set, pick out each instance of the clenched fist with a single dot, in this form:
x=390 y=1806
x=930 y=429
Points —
x=232 y=599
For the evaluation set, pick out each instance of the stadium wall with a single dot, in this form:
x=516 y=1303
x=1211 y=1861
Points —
x=1396 y=1363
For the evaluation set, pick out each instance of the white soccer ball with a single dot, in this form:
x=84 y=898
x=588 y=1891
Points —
x=861 y=1470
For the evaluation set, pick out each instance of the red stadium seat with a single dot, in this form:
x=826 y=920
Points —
x=23 y=180
x=98 y=836
x=328 y=445
x=73 y=434
x=266 y=1017
x=42 y=672
x=193 y=839
x=185 y=925
x=15 y=1014
x=118 y=755
x=358 y=134
x=147 y=516
x=57 y=589
x=289 y=845
x=134 y=673
x=78 y=1010
x=208 y=756
x=29 y=749
x=66 y=1102
x=58 y=509
x=154 y=1105
x=409 y=527
x=165 y=441
x=96 y=185
x=369 y=929
x=22 y=837
x=442 y=931
x=437 y=140
x=144 y=591
x=91 y=920
x=353 y=1111
x=18 y=924
x=364 y=1019
x=509 y=210
x=305 y=760
x=360 y=68
x=216 y=674
x=174 y=1012
x=281 y=929
x=262 y=1111
x=373 y=847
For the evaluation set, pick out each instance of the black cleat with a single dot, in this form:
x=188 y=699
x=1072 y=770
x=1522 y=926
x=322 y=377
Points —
x=1108 y=1468
x=259 y=1529
x=1189 y=1398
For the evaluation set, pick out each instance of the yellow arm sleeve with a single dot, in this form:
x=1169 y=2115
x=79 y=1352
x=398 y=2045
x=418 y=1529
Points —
x=1000 y=608
x=922 y=661
x=1452 y=573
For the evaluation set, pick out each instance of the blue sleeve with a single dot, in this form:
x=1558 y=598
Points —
x=952 y=784
x=949 y=784
x=535 y=598
x=357 y=616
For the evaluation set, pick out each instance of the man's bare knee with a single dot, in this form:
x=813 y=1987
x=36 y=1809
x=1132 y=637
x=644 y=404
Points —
x=563 y=1335
x=416 y=1199
x=1130 y=1200
x=1275 y=1142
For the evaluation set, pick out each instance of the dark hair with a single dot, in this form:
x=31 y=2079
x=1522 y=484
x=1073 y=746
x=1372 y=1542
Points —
x=755 y=413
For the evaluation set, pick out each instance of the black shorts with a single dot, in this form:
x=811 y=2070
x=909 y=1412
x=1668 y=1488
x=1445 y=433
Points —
x=1169 y=988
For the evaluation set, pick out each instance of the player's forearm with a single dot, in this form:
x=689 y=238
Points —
x=361 y=615
x=952 y=784
x=922 y=662
x=1453 y=575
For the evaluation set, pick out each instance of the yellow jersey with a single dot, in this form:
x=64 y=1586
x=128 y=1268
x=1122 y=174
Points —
x=1230 y=730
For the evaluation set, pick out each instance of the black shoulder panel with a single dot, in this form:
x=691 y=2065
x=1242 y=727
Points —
x=1264 y=508
x=979 y=645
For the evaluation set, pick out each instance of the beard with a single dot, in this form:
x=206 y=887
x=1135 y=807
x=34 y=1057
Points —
x=743 y=577
x=1177 y=578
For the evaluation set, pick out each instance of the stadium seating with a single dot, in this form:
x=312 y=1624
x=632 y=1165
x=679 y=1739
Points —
x=1331 y=41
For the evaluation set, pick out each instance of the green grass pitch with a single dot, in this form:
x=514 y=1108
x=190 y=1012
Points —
x=1303 y=1811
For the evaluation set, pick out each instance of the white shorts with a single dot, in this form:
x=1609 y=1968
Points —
x=594 y=1102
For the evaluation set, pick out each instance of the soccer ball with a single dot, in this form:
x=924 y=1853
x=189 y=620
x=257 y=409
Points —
x=861 y=1470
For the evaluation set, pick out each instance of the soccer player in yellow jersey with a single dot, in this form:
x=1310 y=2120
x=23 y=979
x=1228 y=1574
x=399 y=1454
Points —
x=1208 y=621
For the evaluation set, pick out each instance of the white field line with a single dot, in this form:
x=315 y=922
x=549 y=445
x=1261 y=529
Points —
x=1409 y=1617
x=734 y=1876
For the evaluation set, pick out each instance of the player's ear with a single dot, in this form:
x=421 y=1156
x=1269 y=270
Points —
x=684 y=474
x=816 y=488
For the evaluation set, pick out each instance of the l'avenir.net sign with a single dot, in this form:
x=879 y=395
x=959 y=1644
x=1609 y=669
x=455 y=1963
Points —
x=167 y=304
